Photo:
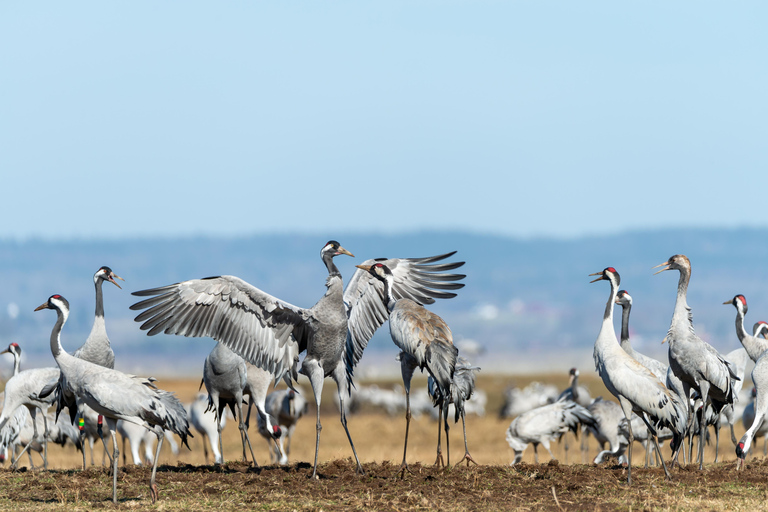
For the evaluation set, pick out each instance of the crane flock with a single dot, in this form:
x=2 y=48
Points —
x=261 y=340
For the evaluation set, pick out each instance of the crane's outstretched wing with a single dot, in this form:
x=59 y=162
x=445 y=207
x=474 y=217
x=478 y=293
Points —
x=420 y=279
x=255 y=325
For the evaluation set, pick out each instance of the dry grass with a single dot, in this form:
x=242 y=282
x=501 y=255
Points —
x=185 y=482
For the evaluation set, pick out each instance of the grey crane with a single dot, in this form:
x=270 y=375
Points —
x=696 y=363
x=545 y=424
x=22 y=390
x=461 y=389
x=635 y=386
x=581 y=396
x=287 y=406
x=207 y=425
x=96 y=349
x=116 y=395
x=271 y=333
x=610 y=426
x=425 y=341
x=753 y=344
x=224 y=376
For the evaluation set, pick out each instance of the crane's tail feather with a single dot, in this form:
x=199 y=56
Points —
x=441 y=363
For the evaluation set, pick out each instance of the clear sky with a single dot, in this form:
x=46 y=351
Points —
x=525 y=118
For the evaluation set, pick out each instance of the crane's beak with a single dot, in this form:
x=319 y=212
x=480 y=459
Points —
x=6 y=351
x=111 y=279
x=364 y=267
x=342 y=250
x=597 y=274
x=661 y=265
x=44 y=305
x=728 y=302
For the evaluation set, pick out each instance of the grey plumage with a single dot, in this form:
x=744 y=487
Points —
x=696 y=363
x=544 y=425
x=659 y=369
x=207 y=425
x=271 y=333
x=287 y=407
x=116 y=395
x=610 y=426
x=635 y=386
x=425 y=341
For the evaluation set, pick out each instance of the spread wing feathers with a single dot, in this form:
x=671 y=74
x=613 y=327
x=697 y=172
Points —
x=420 y=279
x=262 y=329
x=721 y=374
x=647 y=394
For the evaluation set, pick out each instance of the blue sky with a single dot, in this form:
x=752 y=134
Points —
x=519 y=118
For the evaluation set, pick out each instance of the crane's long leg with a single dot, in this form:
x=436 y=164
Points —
x=704 y=385
x=112 y=426
x=447 y=441
x=153 y=492
x=100 y=432
x=45 y=440
x=219 y=410
x=439 y=460
x=717 y=440
x=407 y=367
x=314 y=371
x=205 y=448
x=654 y=436
x=244 y=431
x=341 y=384
x=467 y=456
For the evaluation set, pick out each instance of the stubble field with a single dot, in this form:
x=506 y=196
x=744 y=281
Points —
x=186 y=482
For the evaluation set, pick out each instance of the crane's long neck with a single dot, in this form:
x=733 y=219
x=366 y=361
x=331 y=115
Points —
x=16 y=363
x=575 y=387
x=99 y=325
x=388 y=290
x=330 y=265
x=754 y=346
x=56 y=349
x=682 y=318
x=626 y=344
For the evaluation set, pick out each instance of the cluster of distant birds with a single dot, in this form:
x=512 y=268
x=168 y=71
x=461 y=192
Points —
x=260 y=339
x=677 y=400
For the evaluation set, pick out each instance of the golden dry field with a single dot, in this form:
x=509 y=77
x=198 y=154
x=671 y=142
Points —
x=186 y=482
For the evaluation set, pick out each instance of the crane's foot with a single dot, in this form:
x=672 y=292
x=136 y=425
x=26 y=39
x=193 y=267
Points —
x=468 y=458
x=153 y=492
x=401 y=472
x=439 y=460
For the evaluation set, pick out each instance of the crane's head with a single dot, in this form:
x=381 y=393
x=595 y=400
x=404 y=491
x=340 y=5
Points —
x=760 y=329
x=13 y=348
x=608 y=274
x=105 y=274
x=676 y=262
x=377 y=270
x=623 y=298
x=739 y=302
x=333 y=248
x=56 y=302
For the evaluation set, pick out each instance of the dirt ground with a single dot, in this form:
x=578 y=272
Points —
x=187 y=482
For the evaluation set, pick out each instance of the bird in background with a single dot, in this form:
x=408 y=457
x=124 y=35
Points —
x=271 y=333
x=581 y=396
x=545 y=424
x=635 y=386
x=207 y=425
x=425 y=341
x=696 y=363
x=117 y=396
x=760 y=392
x=288 y=407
